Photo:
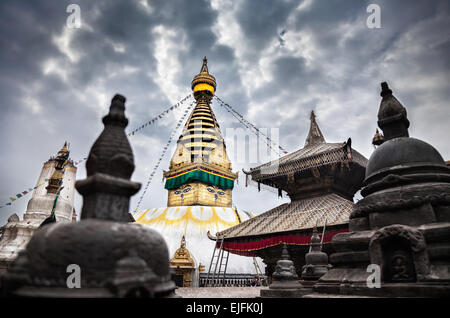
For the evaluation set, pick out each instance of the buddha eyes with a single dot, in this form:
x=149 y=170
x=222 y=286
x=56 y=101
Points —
x=214 y=191
x=181 y=191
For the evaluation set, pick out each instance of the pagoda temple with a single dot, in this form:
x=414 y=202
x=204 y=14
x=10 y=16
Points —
x=199 y=181
x=321 y=179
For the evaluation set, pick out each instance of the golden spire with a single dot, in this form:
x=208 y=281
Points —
x=64 y=150
x=377 y=139
x=204 y=68
x=58 y=175
x=200 y=170
x=204 y=84
x=201 y=134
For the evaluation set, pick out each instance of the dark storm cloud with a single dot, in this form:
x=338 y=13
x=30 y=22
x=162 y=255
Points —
x=57 y=83
x=261 y=20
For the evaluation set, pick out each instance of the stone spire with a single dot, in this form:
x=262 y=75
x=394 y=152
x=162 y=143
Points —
x=392 y=117
x=315 y=135
x=107 y=189
x=316 y=261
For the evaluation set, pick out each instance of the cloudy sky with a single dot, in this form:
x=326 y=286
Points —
x=274 y=62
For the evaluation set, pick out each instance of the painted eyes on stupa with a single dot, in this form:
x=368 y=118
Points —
x=183 y=190
x=187 y=190
x=211 y=190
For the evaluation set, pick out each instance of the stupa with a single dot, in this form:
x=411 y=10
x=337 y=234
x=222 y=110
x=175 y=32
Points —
x=199 y=181
x=114 y=258
x=42 y=204
x=402 y=225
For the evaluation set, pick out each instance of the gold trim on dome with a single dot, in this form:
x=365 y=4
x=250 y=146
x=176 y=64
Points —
x=203 y=87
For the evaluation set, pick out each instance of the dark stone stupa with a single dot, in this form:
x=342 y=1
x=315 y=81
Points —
x=403 y=222
x=285 y=280
x=316 y=262
x=115 y=258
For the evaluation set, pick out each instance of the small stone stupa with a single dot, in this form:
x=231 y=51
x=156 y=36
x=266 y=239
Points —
x=316 y=262
x=284 y=280
x=402 y=225
x=114 y=258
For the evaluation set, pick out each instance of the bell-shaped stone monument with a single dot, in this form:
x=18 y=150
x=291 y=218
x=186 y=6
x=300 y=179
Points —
x=399 y=238
x=102 y=255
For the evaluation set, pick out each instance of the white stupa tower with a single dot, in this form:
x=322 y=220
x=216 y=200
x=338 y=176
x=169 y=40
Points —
x=17 y=233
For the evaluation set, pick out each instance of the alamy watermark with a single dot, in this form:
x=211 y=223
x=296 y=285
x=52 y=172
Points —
x=374 y=19
x=74 y=19
x=374 y=279
x=74 y=279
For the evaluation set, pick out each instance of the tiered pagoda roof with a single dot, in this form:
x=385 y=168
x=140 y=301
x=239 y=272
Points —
x=321 y=180
x=317 y=152
x=301 y=214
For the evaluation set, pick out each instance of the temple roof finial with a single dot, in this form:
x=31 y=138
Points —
x=284 y=252
x=315 y=135
x=392 y=117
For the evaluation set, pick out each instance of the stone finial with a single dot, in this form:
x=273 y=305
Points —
x=107 y=189
x=392 y=117
x=315 y=241
x=285 y=253
x=316 y=260
x=315 y=135
x=111 y=153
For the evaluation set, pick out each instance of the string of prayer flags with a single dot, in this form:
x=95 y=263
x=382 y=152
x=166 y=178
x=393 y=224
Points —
x=161 y=115
x=271 y=144
x=165 y=149
x=78 y=162
x=22 y=194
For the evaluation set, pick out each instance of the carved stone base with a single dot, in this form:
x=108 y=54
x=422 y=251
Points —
x=413 y=262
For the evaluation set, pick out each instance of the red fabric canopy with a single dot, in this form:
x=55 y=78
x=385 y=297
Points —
x=248 y=248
